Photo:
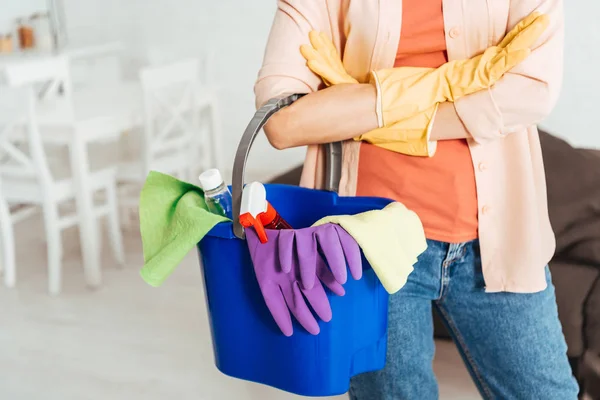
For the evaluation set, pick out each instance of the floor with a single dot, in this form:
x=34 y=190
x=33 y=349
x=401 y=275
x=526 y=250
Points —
x=127 y=340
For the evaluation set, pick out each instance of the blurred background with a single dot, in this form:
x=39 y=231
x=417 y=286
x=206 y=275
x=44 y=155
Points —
x=116 y=87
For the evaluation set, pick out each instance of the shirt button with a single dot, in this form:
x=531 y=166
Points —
x=482 y=166
x=486 y=209
x=454 y=32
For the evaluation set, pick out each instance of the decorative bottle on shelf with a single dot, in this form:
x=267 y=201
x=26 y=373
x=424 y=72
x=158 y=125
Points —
x=6 y=44
x=25 y=34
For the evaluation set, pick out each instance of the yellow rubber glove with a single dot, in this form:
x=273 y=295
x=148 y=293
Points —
x=405 y=92
x=391 y=240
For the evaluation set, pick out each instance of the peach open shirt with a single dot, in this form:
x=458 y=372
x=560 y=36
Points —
x=515 y=235
x=419 y=182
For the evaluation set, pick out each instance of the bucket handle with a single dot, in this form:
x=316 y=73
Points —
x=333 y=156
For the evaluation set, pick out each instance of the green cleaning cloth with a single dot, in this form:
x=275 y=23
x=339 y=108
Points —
x=173 y=219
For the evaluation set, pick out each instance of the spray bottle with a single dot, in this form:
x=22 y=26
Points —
x=256 y=211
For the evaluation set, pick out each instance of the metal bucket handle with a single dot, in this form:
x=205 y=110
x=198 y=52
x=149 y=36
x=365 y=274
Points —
x=333 y=156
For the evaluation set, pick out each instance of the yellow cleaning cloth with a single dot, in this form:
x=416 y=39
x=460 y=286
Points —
x=391 y=240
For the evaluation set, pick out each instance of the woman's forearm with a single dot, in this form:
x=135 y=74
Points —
x=340 y=112
x=447 y=125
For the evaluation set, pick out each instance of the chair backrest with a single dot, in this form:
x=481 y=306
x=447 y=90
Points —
x=170 y=109
x=49 y=77
x=156 y=55
x=21 y=148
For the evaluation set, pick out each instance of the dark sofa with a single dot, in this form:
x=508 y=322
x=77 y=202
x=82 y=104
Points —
x=573 y=179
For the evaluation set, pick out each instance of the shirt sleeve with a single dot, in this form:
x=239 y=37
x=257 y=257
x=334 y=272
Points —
x=524 y=96
x=284 y=70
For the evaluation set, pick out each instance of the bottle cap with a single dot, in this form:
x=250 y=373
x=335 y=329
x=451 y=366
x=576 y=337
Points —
x=210 y=179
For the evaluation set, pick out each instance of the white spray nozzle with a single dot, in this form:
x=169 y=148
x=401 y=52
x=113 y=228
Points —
x=254 y=199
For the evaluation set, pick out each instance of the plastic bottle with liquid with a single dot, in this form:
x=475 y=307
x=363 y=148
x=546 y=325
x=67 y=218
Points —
x=271 y=219
x=216 y=194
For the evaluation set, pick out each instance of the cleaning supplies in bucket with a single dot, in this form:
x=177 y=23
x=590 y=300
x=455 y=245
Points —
x=293 y=266
x=175 y=215
x=246 y=340
x=251 y=300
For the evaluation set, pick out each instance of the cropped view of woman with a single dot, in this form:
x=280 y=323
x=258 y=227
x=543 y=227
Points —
x=436 y=102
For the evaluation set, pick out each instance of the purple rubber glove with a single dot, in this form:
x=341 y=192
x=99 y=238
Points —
x=300 y=248
x=281 y=289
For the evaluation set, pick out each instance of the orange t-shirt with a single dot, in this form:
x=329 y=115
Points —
x=440 y=189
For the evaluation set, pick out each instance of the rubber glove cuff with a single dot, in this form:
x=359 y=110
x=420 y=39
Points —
x=410 y=136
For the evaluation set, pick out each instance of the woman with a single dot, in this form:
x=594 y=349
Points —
x=481 y=196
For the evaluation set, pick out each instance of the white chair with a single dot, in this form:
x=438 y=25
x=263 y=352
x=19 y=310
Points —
x=26 y=177
x=208 y=143
x=172 y=140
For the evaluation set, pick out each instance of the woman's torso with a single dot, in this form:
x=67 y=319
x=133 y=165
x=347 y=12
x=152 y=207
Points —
x=421 y=182
x=515 y=235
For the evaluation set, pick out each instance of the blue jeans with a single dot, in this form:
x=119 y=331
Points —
x=512 y=343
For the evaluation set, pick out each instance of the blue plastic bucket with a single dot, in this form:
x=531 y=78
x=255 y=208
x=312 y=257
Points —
x=248 y=344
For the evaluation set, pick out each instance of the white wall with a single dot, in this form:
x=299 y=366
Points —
x=10 y=10
x=577 y=114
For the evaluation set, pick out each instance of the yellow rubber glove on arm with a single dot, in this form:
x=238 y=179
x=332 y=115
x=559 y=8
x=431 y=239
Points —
x=404 y=92
x=391 y=240
x=408 y=96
